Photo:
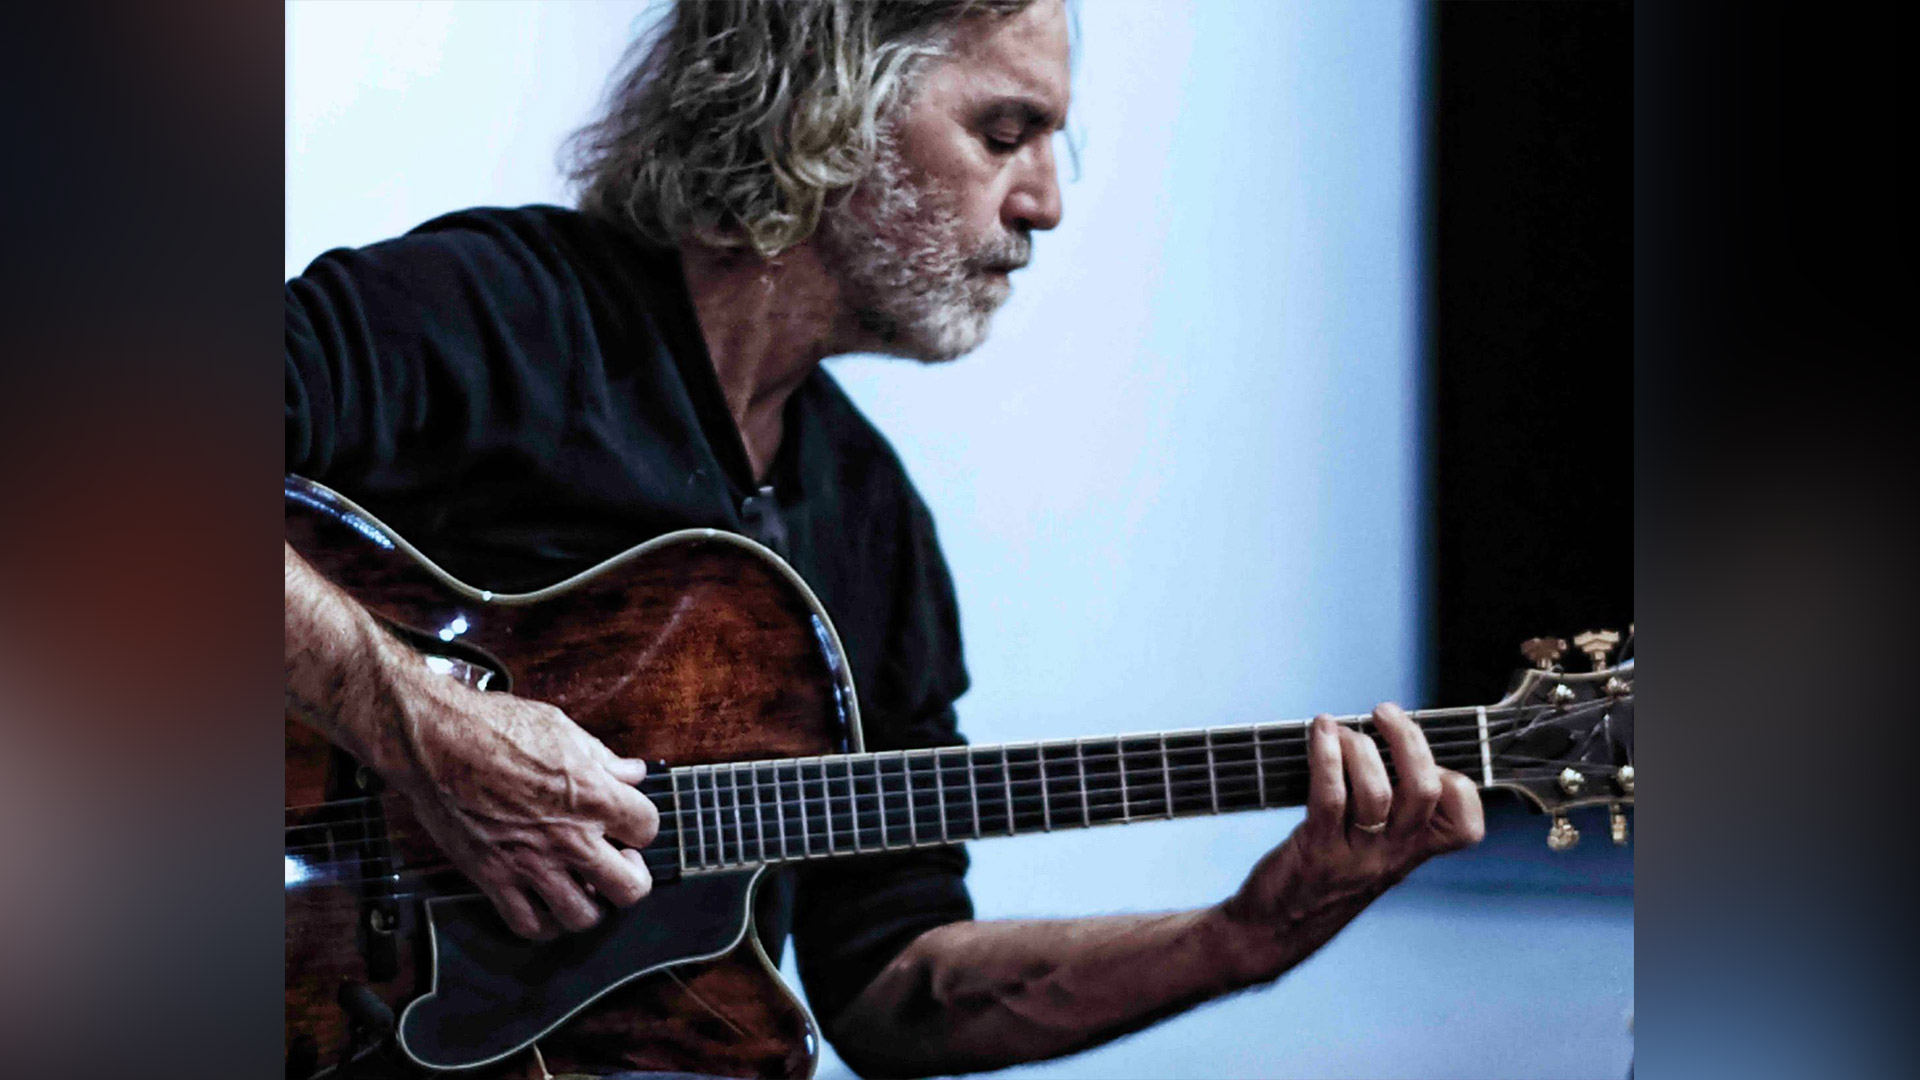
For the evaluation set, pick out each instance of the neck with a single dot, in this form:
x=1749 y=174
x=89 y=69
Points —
x=747 y=814
x=767 y=324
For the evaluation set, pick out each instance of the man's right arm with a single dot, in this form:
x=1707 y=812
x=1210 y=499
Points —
x=521 y=799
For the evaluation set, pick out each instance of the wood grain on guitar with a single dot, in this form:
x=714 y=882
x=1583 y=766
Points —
x=704 y=652
x=693 y=650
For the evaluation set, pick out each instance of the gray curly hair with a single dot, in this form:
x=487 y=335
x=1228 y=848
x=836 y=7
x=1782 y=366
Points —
x=736 y=121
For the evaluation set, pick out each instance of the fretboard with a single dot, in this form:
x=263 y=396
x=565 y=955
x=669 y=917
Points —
x=747 y=814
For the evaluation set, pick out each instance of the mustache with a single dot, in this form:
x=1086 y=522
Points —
x=1004 y=254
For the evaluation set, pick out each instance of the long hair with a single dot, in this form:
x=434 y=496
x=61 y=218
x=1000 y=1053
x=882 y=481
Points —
x=737 y=120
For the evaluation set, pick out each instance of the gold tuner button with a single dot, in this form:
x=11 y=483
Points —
x=1562 y=835
x=1571 y=781
x=1543 y=652
x=1563 y=694
x=1616 y=686
x=1623 y=779
x=1617 y=819
x=1598 y=645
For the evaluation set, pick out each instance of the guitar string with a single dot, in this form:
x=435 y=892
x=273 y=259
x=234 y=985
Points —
x=1226 y=757
x=1232 y=787
x=770 y=860
x=861 y=819
x=889 y=812
x=776 y=788
x=1285 y=729
x=945 y=756
x=856 y=822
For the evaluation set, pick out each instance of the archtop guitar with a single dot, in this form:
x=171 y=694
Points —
x=703 y=652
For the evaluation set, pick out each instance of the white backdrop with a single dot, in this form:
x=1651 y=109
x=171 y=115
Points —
x=1179 y=486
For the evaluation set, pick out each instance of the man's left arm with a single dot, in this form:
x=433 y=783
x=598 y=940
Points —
x=980 y=995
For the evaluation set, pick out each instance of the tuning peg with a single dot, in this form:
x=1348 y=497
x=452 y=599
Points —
x=1617 y=820
x=1598 y=645
x=1543 y=652
x=1561 y=835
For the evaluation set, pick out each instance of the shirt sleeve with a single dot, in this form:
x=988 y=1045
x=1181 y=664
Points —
x=356 y=371
x=422 y=352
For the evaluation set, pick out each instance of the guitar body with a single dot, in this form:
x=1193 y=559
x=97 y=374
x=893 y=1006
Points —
x=695 y=648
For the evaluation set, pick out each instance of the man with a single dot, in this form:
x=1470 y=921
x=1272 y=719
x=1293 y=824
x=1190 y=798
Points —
x=526 y=392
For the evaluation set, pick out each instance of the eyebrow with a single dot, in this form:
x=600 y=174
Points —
x=1031 y=112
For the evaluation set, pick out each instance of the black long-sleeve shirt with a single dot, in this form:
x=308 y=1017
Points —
x=525 y=393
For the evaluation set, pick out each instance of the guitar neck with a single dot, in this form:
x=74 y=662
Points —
x=744 y=815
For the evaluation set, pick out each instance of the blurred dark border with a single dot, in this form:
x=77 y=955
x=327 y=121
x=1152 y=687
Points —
x=1528 y=378
x=139 y=755
x=1529 y=324
x=139 y=919
x=1774 y=583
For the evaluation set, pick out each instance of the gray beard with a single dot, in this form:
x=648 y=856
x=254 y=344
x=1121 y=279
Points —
x=896 y=248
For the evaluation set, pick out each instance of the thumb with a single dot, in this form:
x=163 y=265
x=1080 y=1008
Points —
x=625 y=770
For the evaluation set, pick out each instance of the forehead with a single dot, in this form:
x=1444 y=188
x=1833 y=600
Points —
x=1022 y=55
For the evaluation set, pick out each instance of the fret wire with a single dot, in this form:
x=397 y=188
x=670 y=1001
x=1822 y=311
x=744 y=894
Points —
x=800 y=785
x=905 y=792
x=973 y=792
x=719 y=816
x=739 y=833
x=826 y=801
x=853 y=802
x=715 y=811
x=780 y=808
x=906 y=778
x=1166 y=771
x=719 y=829
x=679 y=818
x=720 y=819
x=705 y=773
x=713 y=806
x=699 y=817
x=940 y=792
x=1080 y=762
x=1120 y=752
x=759 y=826
x=1046 y=800
x=1259 y=768
x=880 y=800
x=1213 y=773
x=1006 y=778
x=853 y=786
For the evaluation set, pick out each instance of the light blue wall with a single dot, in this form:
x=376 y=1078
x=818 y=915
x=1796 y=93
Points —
x=1179 y=487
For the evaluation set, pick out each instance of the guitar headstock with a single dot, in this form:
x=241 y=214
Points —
x=1563 y=740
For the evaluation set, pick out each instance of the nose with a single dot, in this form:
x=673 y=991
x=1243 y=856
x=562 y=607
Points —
x=1034 y=200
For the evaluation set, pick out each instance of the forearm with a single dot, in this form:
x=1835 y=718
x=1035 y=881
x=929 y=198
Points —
x=981 y=995
x=339 y=666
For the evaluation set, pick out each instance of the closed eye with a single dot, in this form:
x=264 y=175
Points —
x=1005 y=125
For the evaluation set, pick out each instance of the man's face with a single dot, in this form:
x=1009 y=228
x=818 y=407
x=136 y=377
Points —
x=924 y=245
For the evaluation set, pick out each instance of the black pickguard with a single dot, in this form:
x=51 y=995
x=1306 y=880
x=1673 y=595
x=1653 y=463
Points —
x=495 y=992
